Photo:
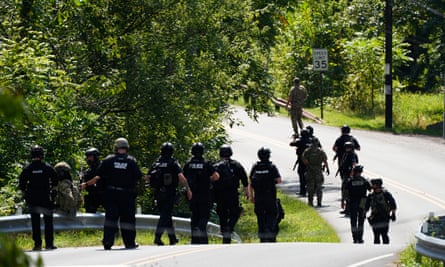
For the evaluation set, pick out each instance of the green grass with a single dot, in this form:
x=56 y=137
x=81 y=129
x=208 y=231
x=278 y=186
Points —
x=412 y=114
x=410 y=258
x=301 y=224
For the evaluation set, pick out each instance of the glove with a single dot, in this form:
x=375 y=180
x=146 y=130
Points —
x=393 y=217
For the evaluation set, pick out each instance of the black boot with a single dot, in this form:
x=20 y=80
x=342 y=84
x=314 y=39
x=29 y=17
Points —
x=158 y=240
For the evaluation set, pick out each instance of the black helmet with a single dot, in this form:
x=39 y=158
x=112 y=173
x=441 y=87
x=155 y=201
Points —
x=167 y=149
x=310 y=129
x=37 y=151
x=197 y=149
x=345 y=129
x=263 y=153
x=377 y=181
x=305 y=133
x=92 y=152
x=225 y=151
x=348 y=144
x=358 y=168
x=121 y=143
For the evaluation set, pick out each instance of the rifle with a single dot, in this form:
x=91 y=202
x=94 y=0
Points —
x=295 y=164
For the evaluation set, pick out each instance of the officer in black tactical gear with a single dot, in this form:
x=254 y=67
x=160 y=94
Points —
x=339 y=144
x=37 y=182
x=383 y=208
x=347 y=163
x=355 y=191
x=263 y=178
x=164 y=177
x=94 y=198
x=301 y=144
x=120 y=173
x=225 y=191
x=200 y=173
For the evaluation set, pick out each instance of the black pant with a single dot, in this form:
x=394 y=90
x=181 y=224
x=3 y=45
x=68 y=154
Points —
x=93 y=200
x=357 y=220
x=266 y=212
x=166 y=201
x=120 y=206
x=49 y=226
x=199 y=219
x=229 y=211
x=380 y=229
x=302 y=177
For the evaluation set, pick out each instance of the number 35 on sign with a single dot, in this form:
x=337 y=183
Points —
x=320 y=59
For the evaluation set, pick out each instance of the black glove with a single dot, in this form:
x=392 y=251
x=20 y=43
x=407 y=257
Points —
x=393 y=217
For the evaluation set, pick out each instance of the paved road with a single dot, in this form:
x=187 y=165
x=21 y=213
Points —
x=412 y=169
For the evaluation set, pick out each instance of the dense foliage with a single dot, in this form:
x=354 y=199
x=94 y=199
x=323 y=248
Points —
x=80 y=73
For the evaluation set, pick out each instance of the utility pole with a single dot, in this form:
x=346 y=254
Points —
x=388 y=63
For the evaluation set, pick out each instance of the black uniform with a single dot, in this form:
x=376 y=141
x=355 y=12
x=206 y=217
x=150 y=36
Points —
x=356 y=189
x=120 y=173
x=226 y=195
x=340 y=146
x=164 y=179
x=95 y=197
x=37 y=181
x=198 y=172
x=301 y=144
x=263 y=179
x=381 y=204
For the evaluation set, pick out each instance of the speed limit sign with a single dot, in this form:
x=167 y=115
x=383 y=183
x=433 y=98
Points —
x=320 y=59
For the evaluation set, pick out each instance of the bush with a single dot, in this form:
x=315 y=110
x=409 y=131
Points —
x=12 y=256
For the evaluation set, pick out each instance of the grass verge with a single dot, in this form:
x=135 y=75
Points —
x=301 y=224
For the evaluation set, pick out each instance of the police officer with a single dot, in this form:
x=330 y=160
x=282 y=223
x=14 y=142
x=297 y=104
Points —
x=264 y=175
x=383 y=208
x=200 y=173
x=301 y=144
x=94 y=198
x=164 y=176
x=347 y=163
x=339 y=144
x=37 y=181
x=119 y=173
x=225 y=191
x=355 y=191
x=315 y=160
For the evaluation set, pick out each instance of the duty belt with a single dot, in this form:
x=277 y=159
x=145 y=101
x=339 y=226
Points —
x=117 y=188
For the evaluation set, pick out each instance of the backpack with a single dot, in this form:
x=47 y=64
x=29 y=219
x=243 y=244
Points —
x=68 y=198
x=161 y=175
x=226 y=176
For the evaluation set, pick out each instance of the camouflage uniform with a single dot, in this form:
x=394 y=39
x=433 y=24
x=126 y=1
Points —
x=297 y=97
x=314 y=157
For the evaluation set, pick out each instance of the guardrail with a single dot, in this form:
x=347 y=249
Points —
x=83 y=221
x=428 y=245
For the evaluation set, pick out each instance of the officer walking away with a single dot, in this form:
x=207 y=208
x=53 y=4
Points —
x=301 y=144
x=355 y=191
x=339 y=145
x=200 y=173
x=297 y=97
x=315 y=160
x=95 y=194
x=120 y=173
x=383 y=208
x=164 y=177
x=347 y=163
x=37 y=181
x=264 y=175
x=225 y=191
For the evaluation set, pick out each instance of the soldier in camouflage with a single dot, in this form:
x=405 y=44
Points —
x=315 y=160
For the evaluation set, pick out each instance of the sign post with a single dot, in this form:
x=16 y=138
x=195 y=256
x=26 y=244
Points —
x=320 y=63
